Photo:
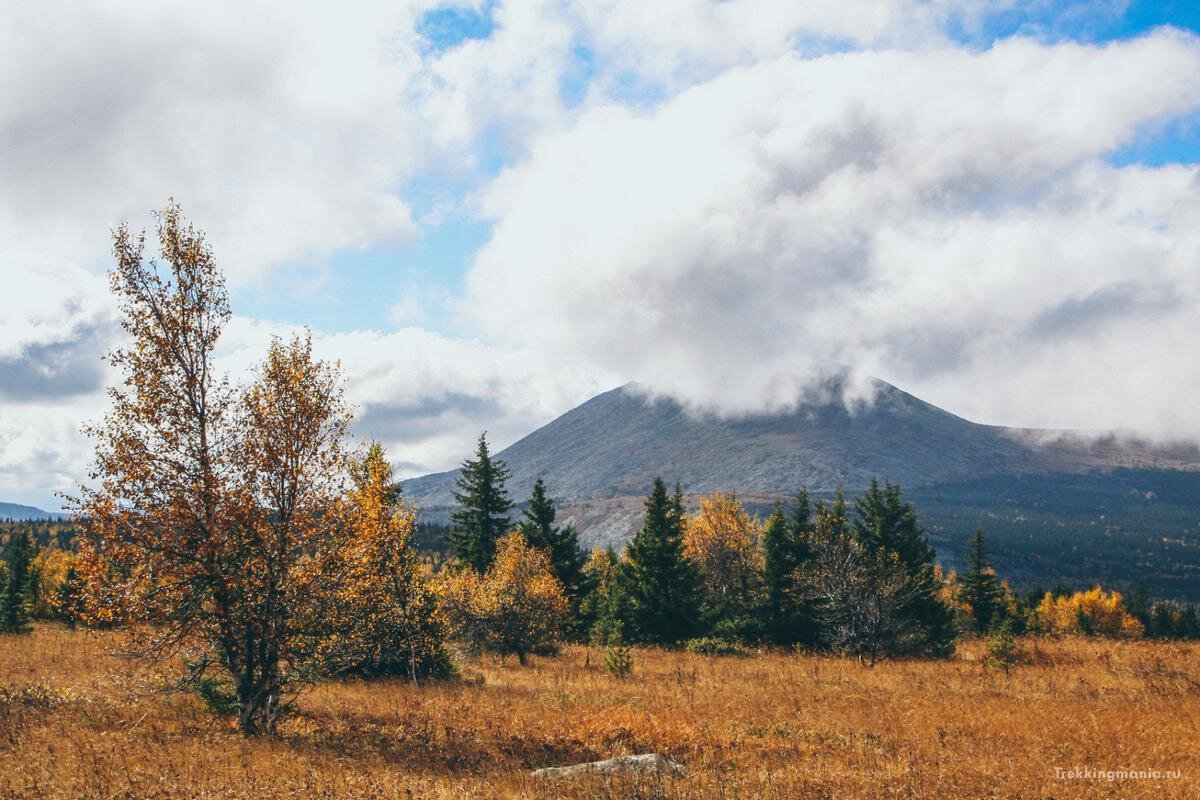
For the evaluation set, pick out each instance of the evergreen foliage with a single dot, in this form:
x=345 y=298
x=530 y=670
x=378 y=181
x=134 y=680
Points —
x=606 y=609
x=885 y=523
x=482 y=516
x=981 y=590
x=560 y=543
x=663 y=586
x=618 y=658
x=1002 y=647
x=69 y=597
x=787 y=548
x=15 y=602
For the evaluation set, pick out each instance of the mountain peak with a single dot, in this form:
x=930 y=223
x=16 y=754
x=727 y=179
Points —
x=617 y=442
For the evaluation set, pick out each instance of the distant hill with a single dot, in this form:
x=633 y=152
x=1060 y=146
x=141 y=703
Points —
x=616 y=443
x=16 y=511
x=599 y=459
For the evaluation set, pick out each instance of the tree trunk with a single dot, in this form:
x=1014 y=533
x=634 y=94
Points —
x=258 y=693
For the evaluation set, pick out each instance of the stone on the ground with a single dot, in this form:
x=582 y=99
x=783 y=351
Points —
x=646 y=763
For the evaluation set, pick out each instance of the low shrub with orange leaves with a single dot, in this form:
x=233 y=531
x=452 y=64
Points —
x=77 y=721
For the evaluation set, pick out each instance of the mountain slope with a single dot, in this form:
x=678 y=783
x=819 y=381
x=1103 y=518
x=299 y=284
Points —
x=614 y=444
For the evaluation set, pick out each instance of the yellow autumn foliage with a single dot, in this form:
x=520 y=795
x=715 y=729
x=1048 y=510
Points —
x=723 y=541
x=1094 y=612
x=518 y=606
x=50 y=567
x=384 y=614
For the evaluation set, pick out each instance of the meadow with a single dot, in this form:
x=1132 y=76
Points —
x=78 y=721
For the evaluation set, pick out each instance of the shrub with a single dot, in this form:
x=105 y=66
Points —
x=618 y=658
x=517 y=606
x=1093 y=613
x=1002 y=647
x=716 y=646
x=383 y=612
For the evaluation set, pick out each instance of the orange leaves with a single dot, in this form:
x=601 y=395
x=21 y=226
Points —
x=1092 y=612
x=384 y=614
x=722 y=539
x=209 y=503
x=517 y=606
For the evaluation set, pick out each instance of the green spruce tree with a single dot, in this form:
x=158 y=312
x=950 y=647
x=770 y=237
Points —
x=885 y=522
x=786 y=543
x=482 y=515
x=560 y=543
x=981 y=591
x=609 y=601
x=15 y=603
x=662 y=585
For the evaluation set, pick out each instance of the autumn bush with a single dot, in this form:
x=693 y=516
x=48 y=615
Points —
x=723 y=541
x=1094 y=612
x=382 y=615
x=517 y=606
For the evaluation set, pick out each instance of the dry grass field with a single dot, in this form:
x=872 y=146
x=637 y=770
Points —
x=77 y=722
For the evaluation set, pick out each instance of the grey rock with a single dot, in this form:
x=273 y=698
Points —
x=643 y=764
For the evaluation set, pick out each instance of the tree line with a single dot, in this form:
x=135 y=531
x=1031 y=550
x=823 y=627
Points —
x=856 y=577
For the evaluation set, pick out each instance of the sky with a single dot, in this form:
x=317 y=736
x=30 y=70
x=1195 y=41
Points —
x=491 y=211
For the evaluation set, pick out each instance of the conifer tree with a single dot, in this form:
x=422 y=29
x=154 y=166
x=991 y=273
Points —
x=801 y=521
x=884 y=522
x=677 y=505
x=606 y=607
x=662 y=584
x=559 y=542
x=482 y=516
x=786 y=549
x=68 y=597
x=14 y=606
x=1187 y=624
x=1162 y=621
x=981 y=591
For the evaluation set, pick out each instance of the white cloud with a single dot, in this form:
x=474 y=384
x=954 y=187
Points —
x=427 y=396
x=696 y=201
x=674 y=43
x=940 y=217
x=285 y=133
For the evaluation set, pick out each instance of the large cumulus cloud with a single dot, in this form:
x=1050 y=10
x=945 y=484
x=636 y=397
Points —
x=942 y=217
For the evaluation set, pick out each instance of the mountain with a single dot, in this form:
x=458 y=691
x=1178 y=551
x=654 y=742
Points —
x=616 y=443
x=1057 y=505
x=15 y=511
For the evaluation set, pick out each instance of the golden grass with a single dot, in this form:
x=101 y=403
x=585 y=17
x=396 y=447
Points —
x=75 y=724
